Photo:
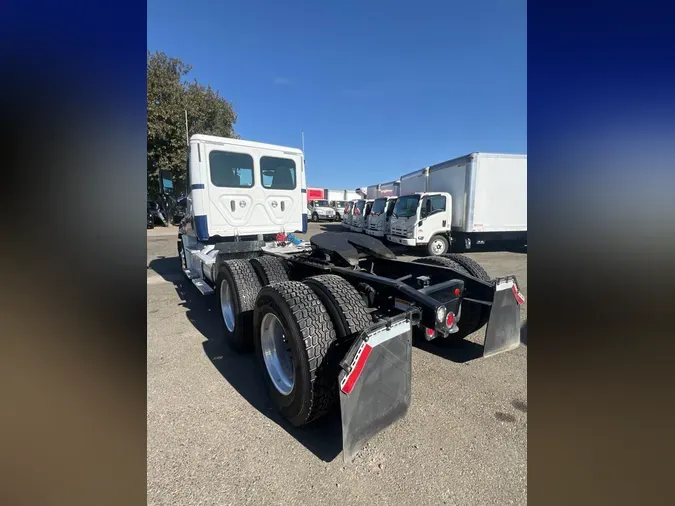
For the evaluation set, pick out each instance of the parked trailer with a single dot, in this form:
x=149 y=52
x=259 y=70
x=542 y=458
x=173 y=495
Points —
x=474 y=199
x=331 y=321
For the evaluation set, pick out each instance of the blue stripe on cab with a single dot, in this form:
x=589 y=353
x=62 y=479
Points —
x=303 y=190
x=197 y=187
x=201 y=228
x=304 y=223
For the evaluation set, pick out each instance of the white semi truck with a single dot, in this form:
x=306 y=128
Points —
x=331 y=320
x=466 y=201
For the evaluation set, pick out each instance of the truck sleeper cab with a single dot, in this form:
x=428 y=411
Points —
x=422 y=219
x=379 y=219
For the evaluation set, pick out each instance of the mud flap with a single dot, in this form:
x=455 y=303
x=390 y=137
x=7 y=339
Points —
x=375 y=381
x=503 y=330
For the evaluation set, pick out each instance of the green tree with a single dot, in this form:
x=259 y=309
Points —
x=169 y=95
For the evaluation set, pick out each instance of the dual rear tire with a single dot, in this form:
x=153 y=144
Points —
x=300 y=330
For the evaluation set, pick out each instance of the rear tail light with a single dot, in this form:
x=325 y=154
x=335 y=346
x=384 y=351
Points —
x=450 y=319
x=430 y=332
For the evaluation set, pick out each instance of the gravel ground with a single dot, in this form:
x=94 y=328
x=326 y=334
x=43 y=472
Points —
x=214 y=438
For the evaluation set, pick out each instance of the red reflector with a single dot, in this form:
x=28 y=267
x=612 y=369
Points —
x=430 y=332
x=353 y=376
x=450 y=319
x=516 y=293
x=457 y=292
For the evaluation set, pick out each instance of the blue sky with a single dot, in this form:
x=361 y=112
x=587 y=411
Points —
x=379 y=88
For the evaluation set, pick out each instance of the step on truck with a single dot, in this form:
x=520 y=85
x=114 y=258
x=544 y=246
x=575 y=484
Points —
x=331 y=320
x=473 y=200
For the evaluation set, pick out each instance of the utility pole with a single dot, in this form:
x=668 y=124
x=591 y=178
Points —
x=187 y=134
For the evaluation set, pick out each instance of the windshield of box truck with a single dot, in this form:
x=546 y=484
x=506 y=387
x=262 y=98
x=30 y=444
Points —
x=378 y=206
x=406 y=206
x=360 y=204
x=321 y=203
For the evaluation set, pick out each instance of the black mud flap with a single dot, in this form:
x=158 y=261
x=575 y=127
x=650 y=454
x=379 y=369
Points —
x=375 y=383
x=503 y=330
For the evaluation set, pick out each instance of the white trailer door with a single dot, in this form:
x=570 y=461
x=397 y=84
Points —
x=500 y=194
x=253 y=191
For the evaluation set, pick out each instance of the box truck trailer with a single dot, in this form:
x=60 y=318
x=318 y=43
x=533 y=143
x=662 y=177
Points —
x=330 y=320
x=466 y=201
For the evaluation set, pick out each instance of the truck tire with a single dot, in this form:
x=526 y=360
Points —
x=470 y=318
x=343 y=302
x=237 y=287
x=470 y=265
x=294 y=340
x=270 y=269
x=315 y=217
x=338 y=217
x=438 y=245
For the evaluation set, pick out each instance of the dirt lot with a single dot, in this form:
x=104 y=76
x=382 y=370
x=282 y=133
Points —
x=214 y=438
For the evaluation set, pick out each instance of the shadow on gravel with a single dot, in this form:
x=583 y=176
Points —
x=323 y=438
x=458 y=352
x=333 y=227
x=461 y=351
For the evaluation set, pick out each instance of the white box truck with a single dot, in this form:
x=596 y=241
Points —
x=466 y=201
x=379 y=219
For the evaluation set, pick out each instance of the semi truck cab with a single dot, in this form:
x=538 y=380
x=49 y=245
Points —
x=320 y=210
x=423 y=219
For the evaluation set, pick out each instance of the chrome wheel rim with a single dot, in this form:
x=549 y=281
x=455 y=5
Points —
x=227 y=305
x=276 y=353
x=437 y=246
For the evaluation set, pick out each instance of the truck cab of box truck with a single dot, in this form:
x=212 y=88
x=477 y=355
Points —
x=422 y=219
x=347 y=214
x=243 y=190
x=379 y=219
x=359 y=214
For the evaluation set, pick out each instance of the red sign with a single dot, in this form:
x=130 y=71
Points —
x=314 y=194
